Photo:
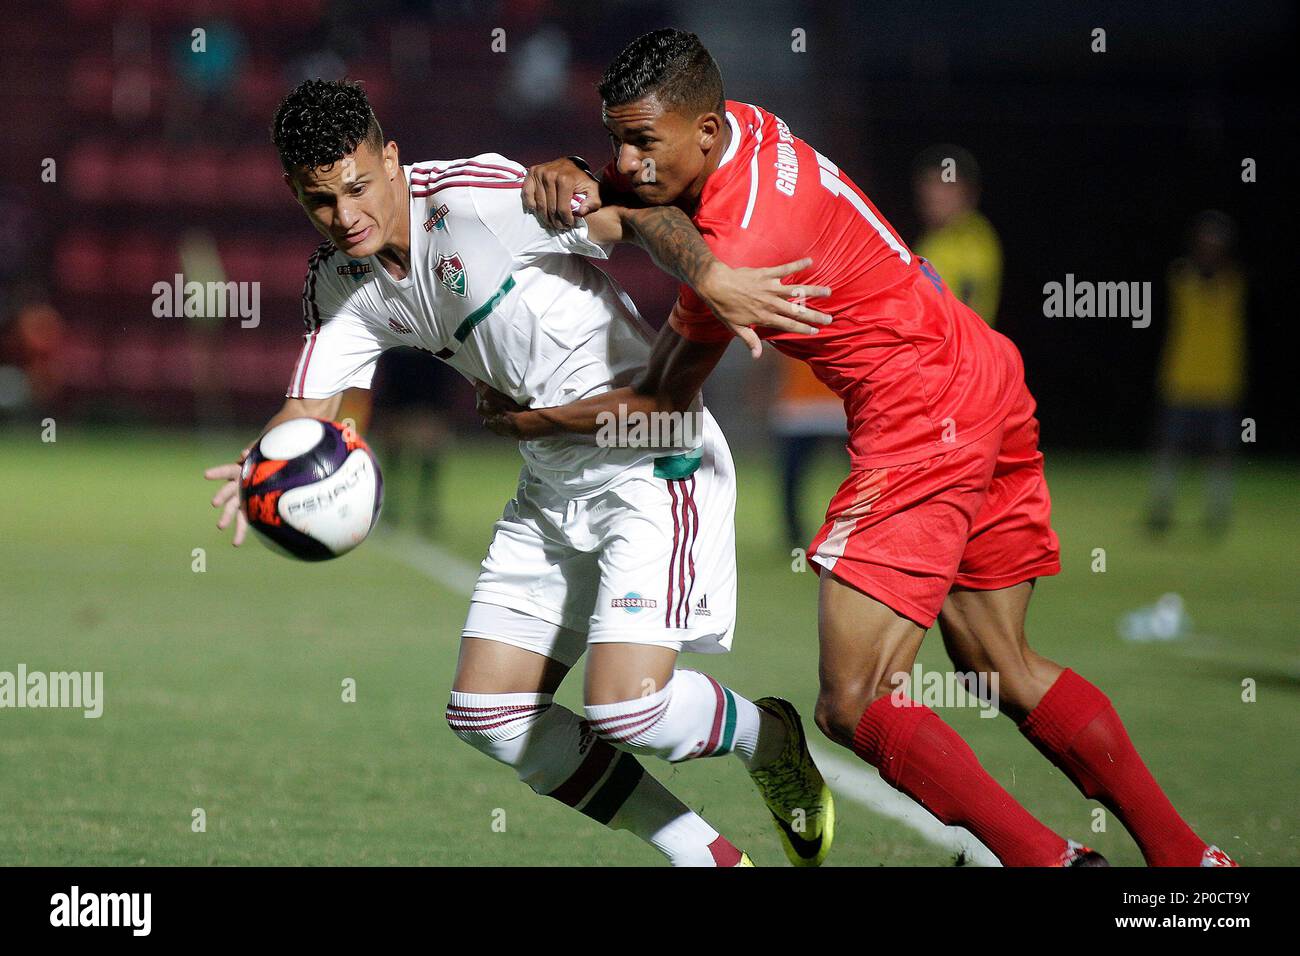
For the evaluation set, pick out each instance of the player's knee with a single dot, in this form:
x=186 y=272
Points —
x=496 y=724
x=834 y=720
x=630 y=725
x=640 y=725
x=839 y=710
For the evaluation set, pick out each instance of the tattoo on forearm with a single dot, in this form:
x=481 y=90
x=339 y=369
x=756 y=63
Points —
x=671 y=238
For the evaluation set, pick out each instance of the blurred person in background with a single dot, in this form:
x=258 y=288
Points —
x=30 y=340
x=207 y=67
x=200 y=261
x=22 y=225
x=805 y=416
x=1202 y=370
x=958 y=239
x=412 y=392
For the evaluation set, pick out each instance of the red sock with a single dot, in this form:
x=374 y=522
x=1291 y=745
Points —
x=1076 y=728
x=917 y=753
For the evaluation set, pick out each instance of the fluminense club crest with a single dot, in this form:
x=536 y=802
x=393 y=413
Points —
x=451 y=273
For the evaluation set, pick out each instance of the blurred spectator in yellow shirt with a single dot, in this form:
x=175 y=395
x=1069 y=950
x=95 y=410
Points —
x=1202 y=370
x=958 y=240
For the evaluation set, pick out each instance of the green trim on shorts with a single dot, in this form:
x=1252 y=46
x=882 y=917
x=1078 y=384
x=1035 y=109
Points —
x=677 y=467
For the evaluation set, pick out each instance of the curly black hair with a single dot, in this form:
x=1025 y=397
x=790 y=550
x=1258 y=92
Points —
x=673 y=65
x=322 y=121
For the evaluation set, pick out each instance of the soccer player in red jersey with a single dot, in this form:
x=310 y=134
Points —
x=945 y=513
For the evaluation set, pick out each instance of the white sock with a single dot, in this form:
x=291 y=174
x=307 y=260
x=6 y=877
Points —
x=692 y=716
x=680 y=834
x=554 y=752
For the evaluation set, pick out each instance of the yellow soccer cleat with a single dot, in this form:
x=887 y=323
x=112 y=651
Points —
x=793 y=789
x=745 y=860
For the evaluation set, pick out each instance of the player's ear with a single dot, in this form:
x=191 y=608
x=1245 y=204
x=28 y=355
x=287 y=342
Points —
x=709 y=126
x=392 y=163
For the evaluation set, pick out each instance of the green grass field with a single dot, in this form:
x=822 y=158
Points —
x=223 y=688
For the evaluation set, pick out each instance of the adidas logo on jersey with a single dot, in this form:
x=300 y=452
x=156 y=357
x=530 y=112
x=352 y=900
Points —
x=702 y=607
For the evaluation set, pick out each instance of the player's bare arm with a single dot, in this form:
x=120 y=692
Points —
x=740 y=297
x=673 y=377
x=227 y=496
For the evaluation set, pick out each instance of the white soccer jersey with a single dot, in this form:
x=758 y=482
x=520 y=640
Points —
x=497 y=296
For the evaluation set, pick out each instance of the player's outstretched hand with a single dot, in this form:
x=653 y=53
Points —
x=742 y=298
x=227 y=497
x=551 y=192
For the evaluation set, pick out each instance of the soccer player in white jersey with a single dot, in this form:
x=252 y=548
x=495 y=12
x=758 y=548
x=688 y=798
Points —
x=625 y=552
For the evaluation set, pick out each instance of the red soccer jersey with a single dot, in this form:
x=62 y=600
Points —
x=919 y=372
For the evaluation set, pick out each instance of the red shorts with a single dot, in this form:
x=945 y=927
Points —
x=976 y=517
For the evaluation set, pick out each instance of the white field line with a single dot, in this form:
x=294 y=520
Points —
x=431 y=560
x=849 y=779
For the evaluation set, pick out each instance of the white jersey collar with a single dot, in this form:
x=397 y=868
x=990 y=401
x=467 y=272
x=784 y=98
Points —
x=735 y=140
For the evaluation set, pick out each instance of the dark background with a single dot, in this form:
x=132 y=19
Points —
x=1093 y=164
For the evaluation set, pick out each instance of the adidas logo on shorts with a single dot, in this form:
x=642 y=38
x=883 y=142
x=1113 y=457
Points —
x=702 y=607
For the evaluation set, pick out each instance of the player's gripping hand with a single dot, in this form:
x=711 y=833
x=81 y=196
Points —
x=559 y=192
x=743 y=297
x=501 y=413
x=227 y=497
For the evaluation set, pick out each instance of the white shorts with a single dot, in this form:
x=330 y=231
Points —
x=649 y=560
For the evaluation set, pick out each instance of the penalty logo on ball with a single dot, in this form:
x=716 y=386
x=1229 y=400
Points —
x=311 y=489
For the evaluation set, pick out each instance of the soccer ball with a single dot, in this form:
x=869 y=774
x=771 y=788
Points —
x=311 y=489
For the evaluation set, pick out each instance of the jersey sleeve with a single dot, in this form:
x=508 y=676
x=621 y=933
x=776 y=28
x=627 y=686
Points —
x=501 y=209
x=340 y=348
